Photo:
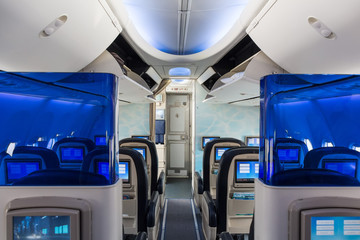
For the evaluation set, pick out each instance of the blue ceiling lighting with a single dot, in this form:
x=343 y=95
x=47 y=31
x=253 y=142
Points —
x=180 y=71
x=183 y=27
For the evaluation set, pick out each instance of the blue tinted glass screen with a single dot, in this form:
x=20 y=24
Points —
x=347 y=167
x=124 y=171
x=246 y=170
x=100 y=141
x=102 y=168
x=335 y=227
x=288 y=155
x=219 y=152
x=18 y=169
x=41 y=227
x=72 y=154
x=253 y=141
x=205 y=140
x=142 y=151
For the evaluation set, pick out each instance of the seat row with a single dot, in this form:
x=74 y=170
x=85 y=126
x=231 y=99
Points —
x=141 y=201
x=225 y=193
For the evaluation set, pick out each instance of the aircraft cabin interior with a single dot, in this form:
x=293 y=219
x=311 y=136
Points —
x=179 y=119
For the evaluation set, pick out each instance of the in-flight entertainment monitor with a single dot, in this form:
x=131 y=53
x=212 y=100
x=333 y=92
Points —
x=124 y=171
x=219 y=151
x=206 y=139
x=246 y=170
x=330 y=224
x=72 y=154
x=18 y=168
x=141 y=150
x=347 y=166
x=252 y=141
x=100 y=140
x=102 y=167
x=147 y=137
x=43 y=223
x=288 y=154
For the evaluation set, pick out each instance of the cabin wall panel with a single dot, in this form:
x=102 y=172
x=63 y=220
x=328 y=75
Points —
x=224 y=120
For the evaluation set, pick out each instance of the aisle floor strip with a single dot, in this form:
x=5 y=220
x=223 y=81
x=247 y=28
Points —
x=164 y=220
x=195 y=220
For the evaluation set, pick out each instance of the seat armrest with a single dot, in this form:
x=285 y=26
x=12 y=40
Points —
x=161 y=183
x=151 y=215
x=200 y=184
x=225 y=236
x=211 y=209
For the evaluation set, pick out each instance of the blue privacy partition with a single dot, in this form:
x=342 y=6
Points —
x=320 y=111
x=42 y=110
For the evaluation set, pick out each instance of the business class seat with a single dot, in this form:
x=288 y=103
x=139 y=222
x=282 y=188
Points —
x=210 y=167
x=24 y=160
x=156 y=181
x=290 y=153
x=139 y=214
x=232 y=211
x=72 y=151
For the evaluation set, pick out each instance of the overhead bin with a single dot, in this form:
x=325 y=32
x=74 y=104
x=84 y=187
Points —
x=242 y=84
x=54 y=36
x=310 y=36
x=132 y=88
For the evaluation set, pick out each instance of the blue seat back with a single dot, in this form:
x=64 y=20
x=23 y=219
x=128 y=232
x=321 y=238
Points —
x=340 y=159
x=95 y=160
x=290 y=153
x=72 y=151
x=24 y=160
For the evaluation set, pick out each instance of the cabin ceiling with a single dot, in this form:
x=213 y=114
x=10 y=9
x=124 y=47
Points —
x=191 y=26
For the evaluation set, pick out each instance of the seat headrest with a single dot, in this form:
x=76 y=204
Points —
x=49 y=157
x=62 y=177
x=90 y=145
x=312 y=177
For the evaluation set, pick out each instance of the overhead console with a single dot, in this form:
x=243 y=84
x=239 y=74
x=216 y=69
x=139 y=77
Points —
x=302 y=37
x=241 y=85
x=132 y=88
x=64 y=37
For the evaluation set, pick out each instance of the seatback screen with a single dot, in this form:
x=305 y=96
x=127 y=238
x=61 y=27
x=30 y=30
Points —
x=253 y=141
x=246 y=171
x=20 y=168
x=141 y=150
x=219 y=151
x=124 y=173
x=100 y=141
x=205 y=140
x=288 y=154
x=335 y=227
x=347 y=167
x=41 y=227
x=102 y=167
x=72 y=154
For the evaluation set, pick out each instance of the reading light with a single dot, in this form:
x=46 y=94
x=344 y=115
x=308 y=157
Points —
x=153 y=74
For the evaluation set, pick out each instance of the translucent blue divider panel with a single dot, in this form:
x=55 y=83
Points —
x=39 y=109
x=315 y=109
